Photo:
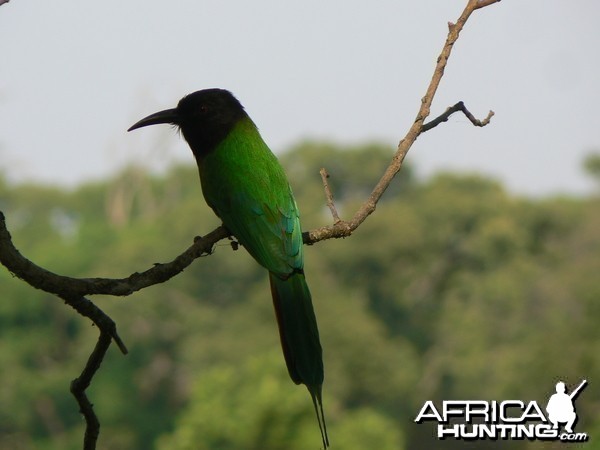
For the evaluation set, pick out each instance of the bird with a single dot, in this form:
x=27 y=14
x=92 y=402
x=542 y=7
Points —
x=246 y=186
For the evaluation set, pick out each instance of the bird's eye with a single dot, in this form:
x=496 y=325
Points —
x=203 y=109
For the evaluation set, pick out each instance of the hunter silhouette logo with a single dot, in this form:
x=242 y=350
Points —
x=508 y=419
x=560 y=406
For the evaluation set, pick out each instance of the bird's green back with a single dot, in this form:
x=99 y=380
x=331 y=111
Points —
x=244 y=183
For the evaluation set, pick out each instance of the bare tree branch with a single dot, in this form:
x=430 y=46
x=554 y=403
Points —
x=47 y=281
x=345 y=228
x=329 y=196
x=81 y=383
x=74 y=290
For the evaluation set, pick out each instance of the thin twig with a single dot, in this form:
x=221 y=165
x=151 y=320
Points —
x=329 y=196
x=80 y=384
x=484 y=3
x=460 y=106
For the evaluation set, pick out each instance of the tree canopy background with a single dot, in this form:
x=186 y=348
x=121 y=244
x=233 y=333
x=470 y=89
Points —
x=454 y=289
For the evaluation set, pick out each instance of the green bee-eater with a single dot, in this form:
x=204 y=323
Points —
x=244 y=184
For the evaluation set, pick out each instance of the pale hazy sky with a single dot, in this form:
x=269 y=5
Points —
x=74 y=75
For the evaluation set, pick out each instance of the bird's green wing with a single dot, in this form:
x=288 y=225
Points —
x=247 y=188
x=270 y=232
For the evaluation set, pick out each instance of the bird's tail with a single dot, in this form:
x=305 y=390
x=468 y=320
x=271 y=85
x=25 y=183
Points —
x=300 y=338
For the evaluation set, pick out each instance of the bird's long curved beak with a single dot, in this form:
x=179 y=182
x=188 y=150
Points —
x=166 y=116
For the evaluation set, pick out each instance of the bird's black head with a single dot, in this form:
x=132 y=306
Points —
x=204 y=117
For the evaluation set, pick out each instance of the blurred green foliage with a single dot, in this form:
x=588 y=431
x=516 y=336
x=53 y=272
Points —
x=453 y=289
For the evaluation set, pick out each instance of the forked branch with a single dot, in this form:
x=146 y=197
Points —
x=343 y=228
